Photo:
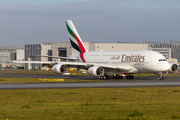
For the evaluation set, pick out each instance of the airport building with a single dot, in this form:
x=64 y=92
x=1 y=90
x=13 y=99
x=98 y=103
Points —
x=10 y=53
x=63 y=49
x=169 y=50
x=20 y=54
x=37 y=52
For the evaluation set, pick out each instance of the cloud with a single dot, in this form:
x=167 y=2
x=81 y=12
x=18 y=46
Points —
x=95 y=20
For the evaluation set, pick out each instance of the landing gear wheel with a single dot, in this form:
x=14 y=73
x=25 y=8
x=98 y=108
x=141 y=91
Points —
x=104 y=77
x=117 y=77
x=108 y=77
x=130 y=77
x=160 y=78
x=121 y=77
x=114 y=77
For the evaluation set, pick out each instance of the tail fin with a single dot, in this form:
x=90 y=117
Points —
x=75 y=40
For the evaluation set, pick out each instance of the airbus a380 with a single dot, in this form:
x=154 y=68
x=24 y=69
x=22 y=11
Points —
x=104 y=63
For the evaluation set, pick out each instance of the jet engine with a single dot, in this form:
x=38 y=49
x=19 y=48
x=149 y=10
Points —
x=59 y=68
x=96 y=71
x=173 y=67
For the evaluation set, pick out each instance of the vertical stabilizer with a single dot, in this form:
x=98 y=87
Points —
x=76 y=42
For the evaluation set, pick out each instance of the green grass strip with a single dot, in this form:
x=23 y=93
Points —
x=149 y=103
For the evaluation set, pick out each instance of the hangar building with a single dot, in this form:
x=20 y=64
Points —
x=169 y=50
x=34 y=52
x=10 y=53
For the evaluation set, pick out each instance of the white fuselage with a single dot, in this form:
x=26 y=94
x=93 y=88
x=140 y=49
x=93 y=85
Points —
x=142 y=61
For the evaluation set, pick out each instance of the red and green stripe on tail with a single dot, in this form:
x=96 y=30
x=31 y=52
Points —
x=78 y=45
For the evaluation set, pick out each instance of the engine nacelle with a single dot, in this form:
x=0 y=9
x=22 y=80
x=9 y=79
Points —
x=173 y=67
x=59 y=68
x=96 y=71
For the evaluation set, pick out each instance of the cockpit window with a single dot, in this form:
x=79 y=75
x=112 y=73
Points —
x=162 y=60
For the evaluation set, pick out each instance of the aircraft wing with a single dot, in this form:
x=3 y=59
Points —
x=70 y=64
x=120 y=67
x=109 y=67
x=66 y=58
x=38 y=62
x=82 y=65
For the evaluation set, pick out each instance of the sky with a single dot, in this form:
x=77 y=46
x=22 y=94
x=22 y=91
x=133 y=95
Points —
x=35 y=21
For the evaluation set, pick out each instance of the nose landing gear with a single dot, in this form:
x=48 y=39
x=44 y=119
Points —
x=160 y=77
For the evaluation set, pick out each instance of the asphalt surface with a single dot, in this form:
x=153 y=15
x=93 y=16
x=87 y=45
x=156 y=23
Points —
x=47 y=76
x=137 y=82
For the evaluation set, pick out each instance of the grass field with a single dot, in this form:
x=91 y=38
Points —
x=141 y=103
x=148 y=103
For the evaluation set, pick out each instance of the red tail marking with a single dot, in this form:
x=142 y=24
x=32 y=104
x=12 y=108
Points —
x=83 y=50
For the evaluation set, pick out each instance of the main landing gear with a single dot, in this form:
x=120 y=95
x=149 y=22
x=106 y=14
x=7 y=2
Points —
x=115 y=77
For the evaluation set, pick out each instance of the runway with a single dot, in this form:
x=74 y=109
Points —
x=87 y=85
x=137 y=82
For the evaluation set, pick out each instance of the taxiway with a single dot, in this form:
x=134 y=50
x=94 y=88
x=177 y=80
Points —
x=137 y=82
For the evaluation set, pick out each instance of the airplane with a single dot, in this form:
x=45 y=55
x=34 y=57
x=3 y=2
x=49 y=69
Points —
x=105 y=63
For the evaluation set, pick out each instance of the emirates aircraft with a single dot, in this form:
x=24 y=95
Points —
x=110 y=64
